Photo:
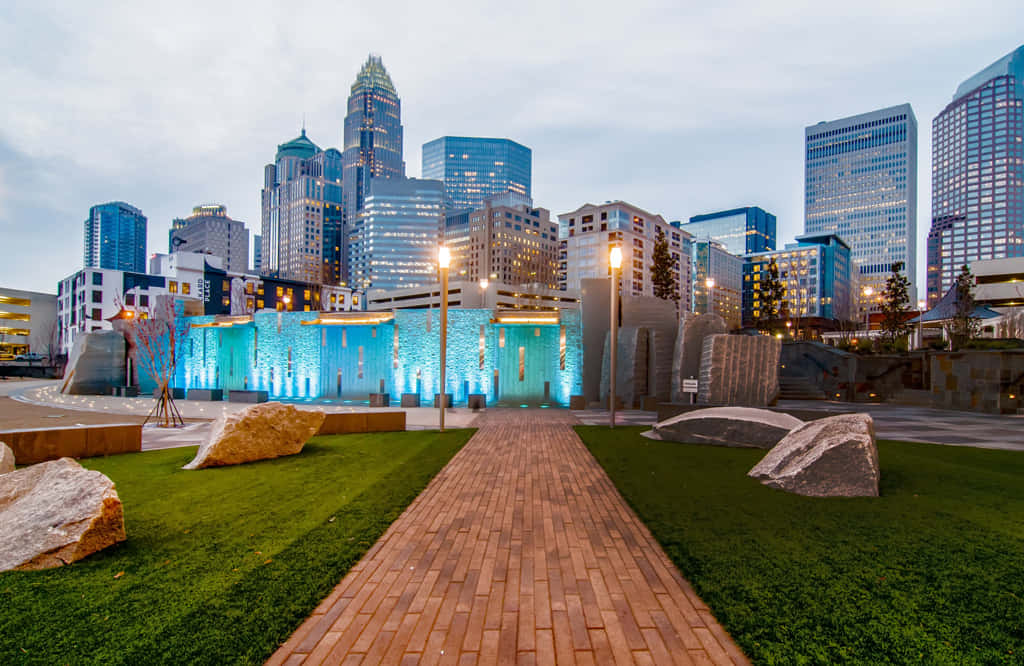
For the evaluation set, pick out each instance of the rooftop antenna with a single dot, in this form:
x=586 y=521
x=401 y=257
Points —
x=303 y=123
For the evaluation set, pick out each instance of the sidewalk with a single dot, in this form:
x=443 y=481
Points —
x=520 y=550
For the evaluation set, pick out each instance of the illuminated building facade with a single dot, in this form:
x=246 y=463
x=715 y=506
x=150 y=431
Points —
x=302 y=213
x=816 y=272
x=861 y=185
x=717 y=281
x=394 y=240
x=474 y=169
x=978 y=174
x=740 y=230
x=27 y=323
x=372 y=136
x=209 y=230
x=115 y=237
x=504 y=241
x=588 y=233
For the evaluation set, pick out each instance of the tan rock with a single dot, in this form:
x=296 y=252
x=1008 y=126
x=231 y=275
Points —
x=267 y=430
x=6 y=459
x=830 y=457
x=55 y=513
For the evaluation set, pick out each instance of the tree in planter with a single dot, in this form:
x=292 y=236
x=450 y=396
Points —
x=771 y=295
x=662 y=277
x=964 y=325
x=896 y=305
x=155 y=336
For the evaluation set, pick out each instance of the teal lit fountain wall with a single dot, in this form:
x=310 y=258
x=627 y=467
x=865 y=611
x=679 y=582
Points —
x=278 y=353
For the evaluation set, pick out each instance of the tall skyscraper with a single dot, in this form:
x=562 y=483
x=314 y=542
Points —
x=115 y=237
x=373 y=134
x=394 y=240
x=302 y=213
x=978 y=173
x=506 y=241
x=740 y=230
x=861 y=185
x=474 y=169
x=588 y=233
x=257 y=252
x=209 y=230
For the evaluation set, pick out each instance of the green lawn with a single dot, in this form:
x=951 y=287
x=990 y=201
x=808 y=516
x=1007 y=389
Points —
x=220 y=565
x=931 y=572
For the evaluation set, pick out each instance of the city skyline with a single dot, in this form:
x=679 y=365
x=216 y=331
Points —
x=719 y=127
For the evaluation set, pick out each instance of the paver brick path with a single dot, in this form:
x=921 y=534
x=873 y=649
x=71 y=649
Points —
x=520 y=551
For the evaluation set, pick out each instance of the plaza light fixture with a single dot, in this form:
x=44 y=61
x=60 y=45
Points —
x=868 y=293
x=444 y=259
x=920 y=325
x=710 y=284
x=615 y=262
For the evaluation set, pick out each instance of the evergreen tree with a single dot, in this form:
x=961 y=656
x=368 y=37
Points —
x=896 y=304
x=771 y=294
x=964 y=326
x=664 y=282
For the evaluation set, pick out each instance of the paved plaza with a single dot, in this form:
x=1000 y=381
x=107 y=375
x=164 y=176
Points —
x=520 y=551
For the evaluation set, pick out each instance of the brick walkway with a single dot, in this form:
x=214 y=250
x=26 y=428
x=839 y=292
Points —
x=519 y=551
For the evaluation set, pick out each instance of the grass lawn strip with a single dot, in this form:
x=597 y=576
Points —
x=221 y=565
x=930 y=572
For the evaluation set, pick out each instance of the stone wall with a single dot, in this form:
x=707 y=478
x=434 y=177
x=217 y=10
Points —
x=981 y=381
x=689 y=349
x=739 y=370
x=630 y=366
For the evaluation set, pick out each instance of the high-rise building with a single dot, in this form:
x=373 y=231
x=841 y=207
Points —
x=717 y=281
x=815 y=272
x=302 y=213
x=739 y=230
x=978 y=174
x=209 y=230
x=373 y=134
x=588 y=233
x=115 y=237
x=394 y=240
x=474 y=169
x=504 y=241
x=257 y=253
x=861 y=185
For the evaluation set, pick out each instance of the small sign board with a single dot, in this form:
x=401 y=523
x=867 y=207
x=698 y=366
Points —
x=689 y=386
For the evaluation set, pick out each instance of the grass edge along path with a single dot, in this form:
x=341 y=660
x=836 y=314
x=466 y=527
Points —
x=251 y=609
x=930 y=572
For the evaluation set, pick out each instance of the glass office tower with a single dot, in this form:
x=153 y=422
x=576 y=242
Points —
x=978 y=174
x=474 y=169
x=861 y=184
x=373 y=134
x=393 y=241
x=740 y=230
x=115 y=237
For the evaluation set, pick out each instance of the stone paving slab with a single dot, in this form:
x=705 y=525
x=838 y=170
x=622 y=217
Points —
x=520 y=551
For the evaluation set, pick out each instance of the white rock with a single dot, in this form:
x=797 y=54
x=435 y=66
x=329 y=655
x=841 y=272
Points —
x=6 y=459
x=728 y=426
x=267 y=430
x=830 y=457
x=55 y=513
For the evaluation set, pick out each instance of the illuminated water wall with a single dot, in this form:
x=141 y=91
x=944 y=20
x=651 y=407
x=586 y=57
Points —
x=291 y=357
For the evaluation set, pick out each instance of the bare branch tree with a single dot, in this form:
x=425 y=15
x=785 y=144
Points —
x=155 y=335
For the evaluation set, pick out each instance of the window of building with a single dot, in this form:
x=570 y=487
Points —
x=97 y=278
x=186 y=288
x=97 y=297
x=97 y=314
x=172 y=287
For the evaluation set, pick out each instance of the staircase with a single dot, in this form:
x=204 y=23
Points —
x=799 y=388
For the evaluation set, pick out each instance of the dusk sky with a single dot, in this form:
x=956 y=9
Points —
x=679 y=110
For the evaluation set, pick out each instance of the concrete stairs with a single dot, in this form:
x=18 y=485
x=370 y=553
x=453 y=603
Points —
x=799 y=388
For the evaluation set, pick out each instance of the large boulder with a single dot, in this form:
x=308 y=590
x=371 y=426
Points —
x=630 y=366
x=267 y=430
x=728 y=426
x=740 y=370
x=96 y=364
x=689 y=346
x=830 y=457
x=55 y=513
x=6 y=459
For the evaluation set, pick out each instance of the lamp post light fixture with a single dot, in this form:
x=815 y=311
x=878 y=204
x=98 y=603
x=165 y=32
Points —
x=710 y=284
x=921 y=305
x=615 y=261
x=444 y=259
x=868 y=293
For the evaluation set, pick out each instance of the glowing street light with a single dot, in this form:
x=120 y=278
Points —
x=920 y=330
x=444 y=259
x=868 y=293
x=710 y=284
x=615 y=261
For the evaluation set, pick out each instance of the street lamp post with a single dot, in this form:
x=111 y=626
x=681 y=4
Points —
x=710 y=285
x=920 y=329
x=615 y=261
x=868 y=293
x=443 y=261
